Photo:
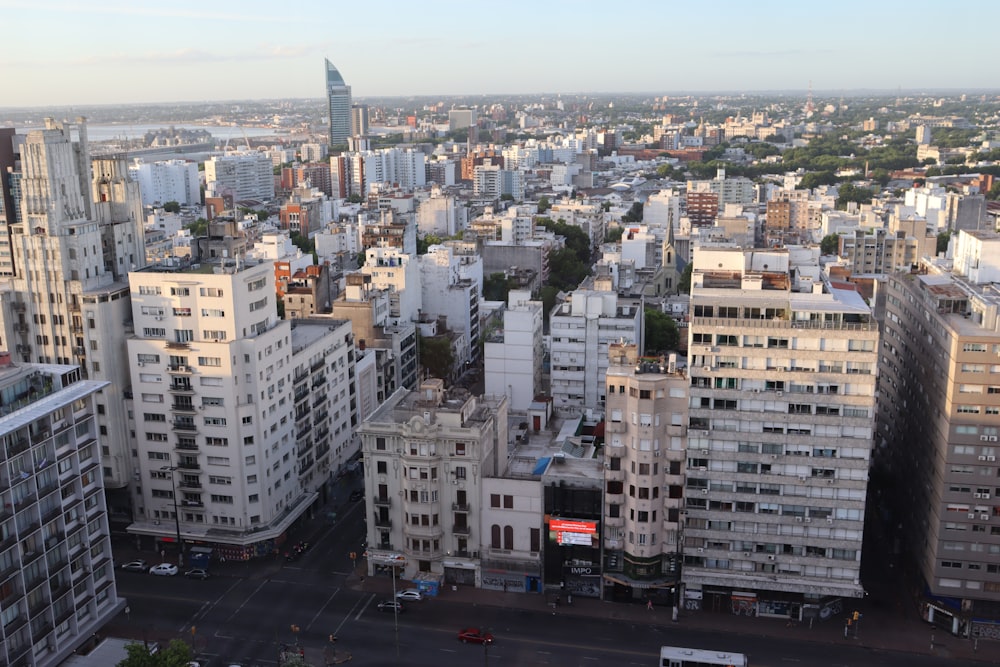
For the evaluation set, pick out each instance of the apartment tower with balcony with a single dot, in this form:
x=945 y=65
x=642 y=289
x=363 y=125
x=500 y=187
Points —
x=782 y=364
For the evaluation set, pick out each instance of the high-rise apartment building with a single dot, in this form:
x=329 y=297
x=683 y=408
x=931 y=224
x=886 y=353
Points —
x=80 y=233
x=57 y=579
x=940 y=420
x=338 y=106
x=513 y=354
x=780 y=432
x=645 y=423
x=234 y=415
x=167 y=180
x=582 y=327
x=359 y=120
x=243 y=176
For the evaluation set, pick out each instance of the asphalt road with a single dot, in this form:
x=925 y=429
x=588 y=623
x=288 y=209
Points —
x=243 y=617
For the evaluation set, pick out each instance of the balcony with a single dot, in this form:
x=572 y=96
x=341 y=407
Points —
x=382 y=502
x=184 y=426
x=461 y=529
x=187 y=446
x=181 y=387
x=383 y=522
x=182 y=407
x=189 y=484
x=460 y=507
x=178 y=345
x=189 y=465
x=180 y=368
x=197 y=504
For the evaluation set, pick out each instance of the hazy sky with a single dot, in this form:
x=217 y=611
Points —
x=90 y=52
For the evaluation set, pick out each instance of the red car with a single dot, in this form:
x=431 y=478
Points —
x=475 y=635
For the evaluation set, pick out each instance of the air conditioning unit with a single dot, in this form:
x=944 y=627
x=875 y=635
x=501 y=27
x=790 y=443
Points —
x=830 y=481
x=701 y=550
x=704 y=452
x=706 y=368
x=140 y=364
x=756 y=391
x=829 y=519
x=705 y=491
x=986 y=496
x=808 y=519
x=770 y=557
x=774 y=456
x=746 y=554
x=982 y=458
x=979 y=495
x=972 y=515
x=779 y=393
x=984 y=517
x=802 y=478
x=158 y=318
x=984 y=438
x=798 y=519
x=993 y=438
x=991 y=458
x=656 y=454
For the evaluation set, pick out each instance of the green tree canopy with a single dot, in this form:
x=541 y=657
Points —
x=303 y=242
x=613 y=235
x=426 y=241
x=172 y=207
x=548 y=295
x=174 y=654
x=994 y=192
x=634 y=214
x=684 y=282
x=544 y=204
x=661 y=333
x=848 y=192
x=566 y=271
x=576 y=239
x=942 y=241
x=496 y=286
x=199 y=227
x=436 y=355
x=830 y=244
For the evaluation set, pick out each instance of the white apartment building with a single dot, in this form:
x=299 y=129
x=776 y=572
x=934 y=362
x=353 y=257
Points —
x=513 y=355
x=396 y=271
x=426 y=453
x=780 y=433
x=581 y=329
x=214 y=385
x=247 y=175
x=493 y=181
x=55 y=542
x=450 y=286
x=167 y=180
x=70 y=305
x=439 y=215
x=645 y=446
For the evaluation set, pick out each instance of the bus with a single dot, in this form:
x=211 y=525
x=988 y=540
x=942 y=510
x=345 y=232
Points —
x=674 y=656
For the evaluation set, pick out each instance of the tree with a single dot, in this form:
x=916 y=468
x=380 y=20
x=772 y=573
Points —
x=634 y=214
x=684 y=282
x=436 y=355
x=830 y=244
x=355 y=199
x=544 y=204
x=199 y=227
x=613 y=235
x=576 y=239
x=994 y=192
x=172 y=207
x=661 y=333
x=848 y=192
x=942 y=242
x=303 y=243
x=496 y=287
x=426 y=241
x=815 y=179
x=175 y=654
x=548 y=296
x=566 y=271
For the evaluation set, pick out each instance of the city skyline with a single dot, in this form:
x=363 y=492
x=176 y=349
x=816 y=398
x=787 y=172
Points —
x=125 y=54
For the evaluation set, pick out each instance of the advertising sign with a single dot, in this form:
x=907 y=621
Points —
x=574 y=531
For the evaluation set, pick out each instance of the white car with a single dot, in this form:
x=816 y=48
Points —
x=164 y=570
x=410 y=594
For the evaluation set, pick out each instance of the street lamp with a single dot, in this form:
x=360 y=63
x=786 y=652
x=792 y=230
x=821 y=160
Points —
x=177 y=516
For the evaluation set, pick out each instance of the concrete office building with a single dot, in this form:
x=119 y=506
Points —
x=645 y=448
x=359 y=120
x=940 y=421
x=338 y=106
x=513 y=354
x=56 y=568
x=426 y=454
x=780 y=433
x=68 y=305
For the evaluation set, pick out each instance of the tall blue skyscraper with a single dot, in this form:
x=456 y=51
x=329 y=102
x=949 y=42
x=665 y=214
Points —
x=338 y=96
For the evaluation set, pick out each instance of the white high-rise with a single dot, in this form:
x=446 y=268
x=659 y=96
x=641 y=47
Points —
x=167 y=180
x=245 y=176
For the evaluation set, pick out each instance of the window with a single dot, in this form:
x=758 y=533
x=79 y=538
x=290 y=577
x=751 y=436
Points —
x=494 y=500
x=459 y=449
x=460 y=472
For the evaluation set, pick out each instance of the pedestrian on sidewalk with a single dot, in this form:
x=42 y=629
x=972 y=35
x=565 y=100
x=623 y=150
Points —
x=649 y=604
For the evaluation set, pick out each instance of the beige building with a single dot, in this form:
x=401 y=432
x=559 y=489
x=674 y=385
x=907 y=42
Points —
x=941 y=420
x=644 y=453
x=782 y=367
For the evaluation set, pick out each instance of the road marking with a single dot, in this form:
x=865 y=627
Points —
x=328 y=601
x=360 y=611
x=447 y=650
x=587 y=657
x=240 y=608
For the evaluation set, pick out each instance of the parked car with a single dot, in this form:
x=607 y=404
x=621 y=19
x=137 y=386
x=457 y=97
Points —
x=356 y=495
x=164 y=570
x=136 y=566
x=197 y=573
x=475 y=636
x=391 y=605
x=410 y=594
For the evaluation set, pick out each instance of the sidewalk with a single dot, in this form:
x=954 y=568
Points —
x=878 y=630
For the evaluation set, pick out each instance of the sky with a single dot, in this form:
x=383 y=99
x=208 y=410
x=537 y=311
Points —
x=58 y=53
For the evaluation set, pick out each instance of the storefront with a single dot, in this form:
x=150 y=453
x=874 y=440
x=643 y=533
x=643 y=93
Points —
x=460 y=572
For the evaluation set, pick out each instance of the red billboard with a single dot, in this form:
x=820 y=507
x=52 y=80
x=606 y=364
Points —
x=574 y=531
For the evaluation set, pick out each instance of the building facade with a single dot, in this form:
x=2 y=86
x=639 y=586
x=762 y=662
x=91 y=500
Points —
x=780 y=434
x=338 y=106
x=56 y=568
x=247 y=176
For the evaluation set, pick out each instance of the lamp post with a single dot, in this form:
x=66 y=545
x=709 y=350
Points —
x=177 y=516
